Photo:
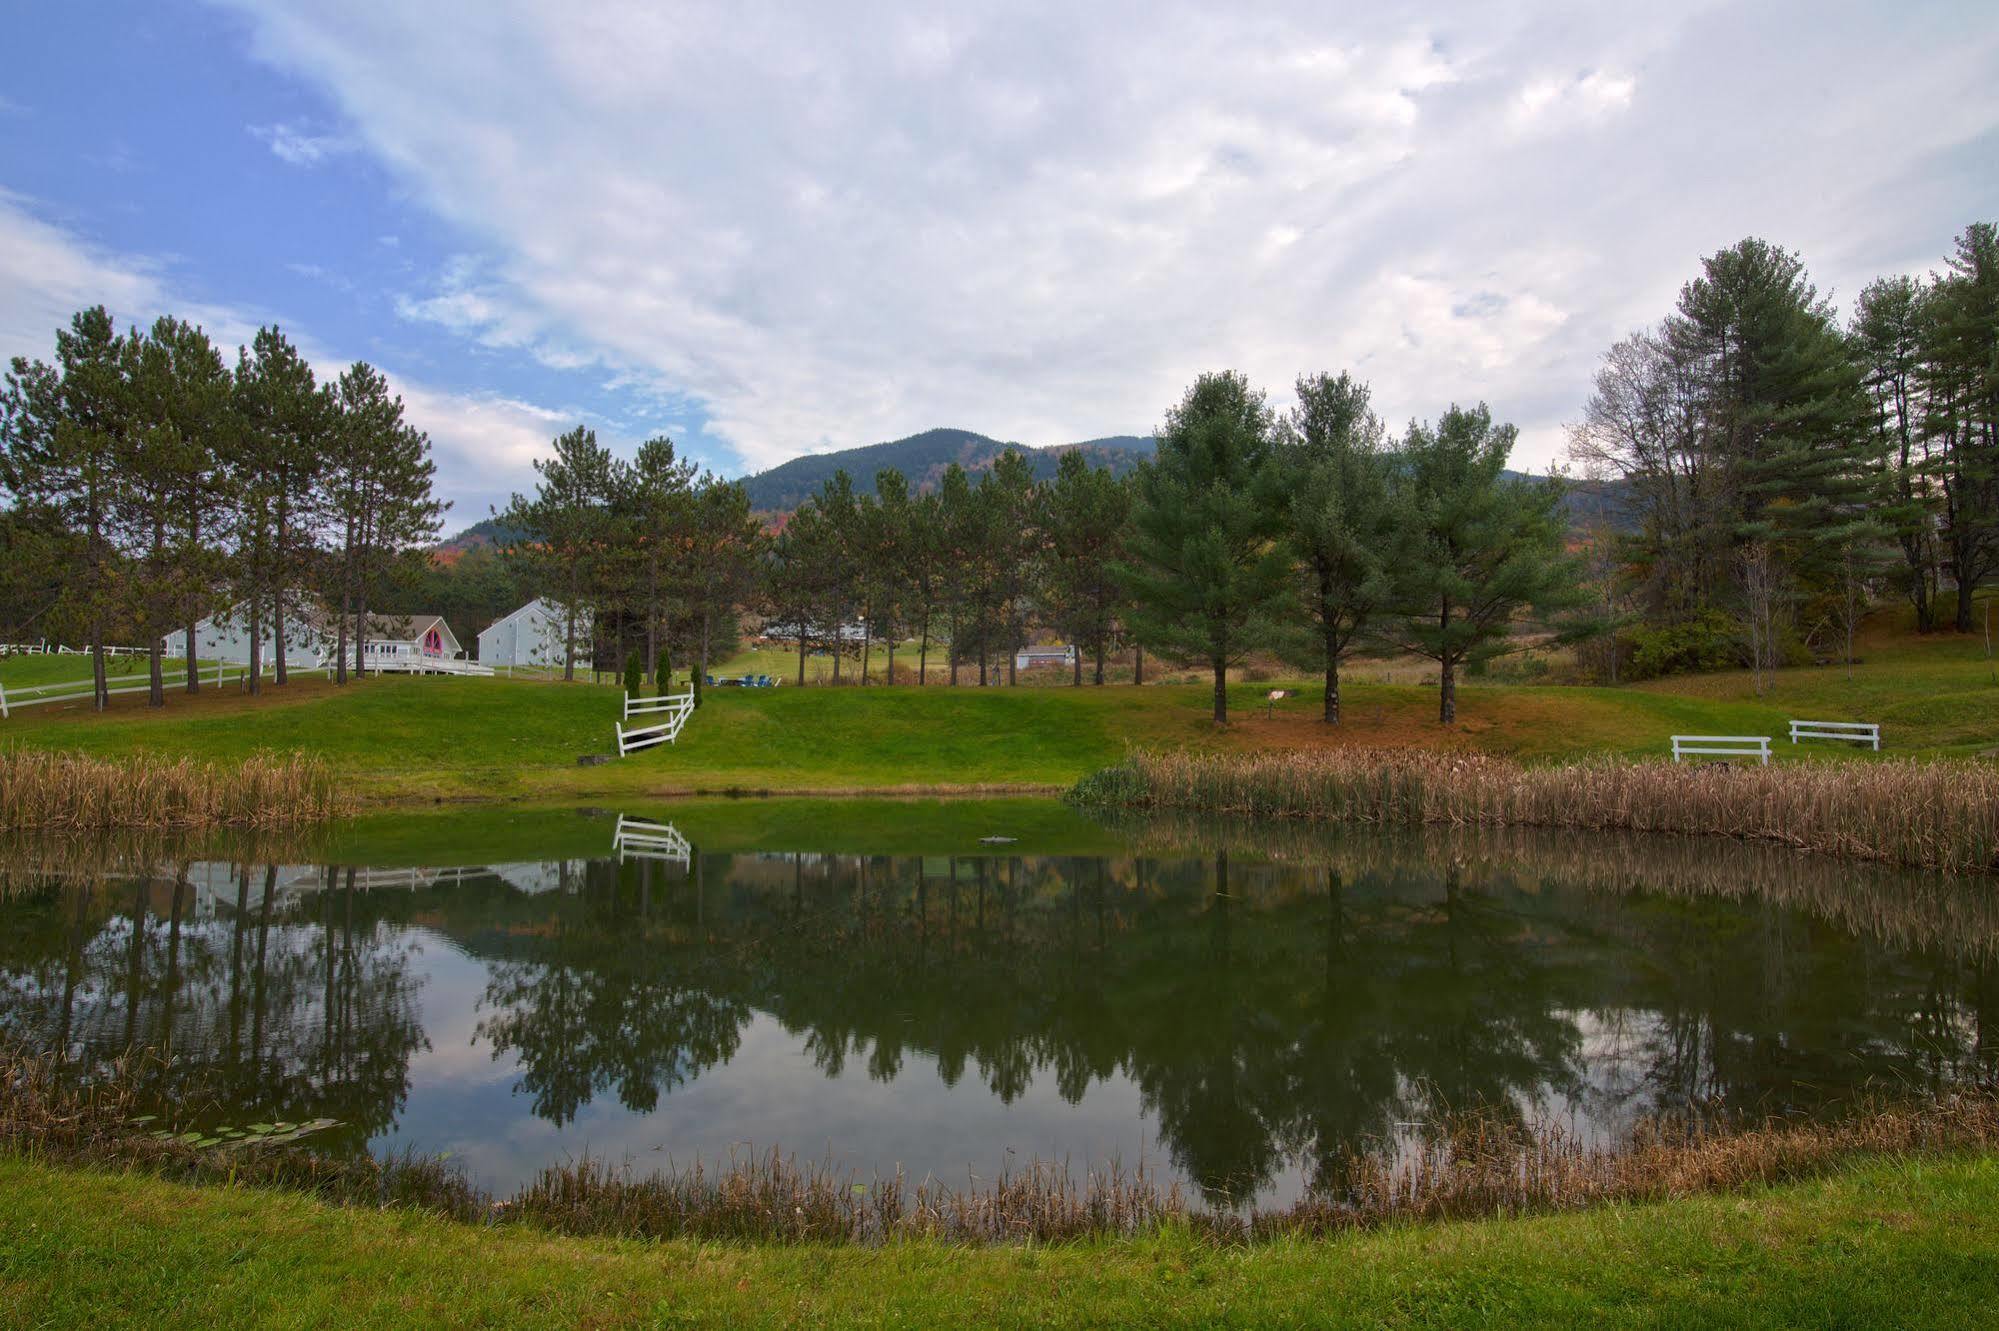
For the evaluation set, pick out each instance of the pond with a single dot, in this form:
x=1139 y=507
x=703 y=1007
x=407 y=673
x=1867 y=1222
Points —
x=874 y=986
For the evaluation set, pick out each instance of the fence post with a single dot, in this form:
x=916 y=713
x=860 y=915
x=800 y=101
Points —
x=3 y=700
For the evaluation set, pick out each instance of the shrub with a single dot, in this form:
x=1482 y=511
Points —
x=663 y=669
x=1707 y=641
x=635 y=678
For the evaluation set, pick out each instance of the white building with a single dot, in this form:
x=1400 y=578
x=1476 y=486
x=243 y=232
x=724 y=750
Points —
x=534 y=635
x=312 y=638
x=226 y=637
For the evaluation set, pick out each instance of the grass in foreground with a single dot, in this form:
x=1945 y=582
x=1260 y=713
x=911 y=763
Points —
x=1905 y=1243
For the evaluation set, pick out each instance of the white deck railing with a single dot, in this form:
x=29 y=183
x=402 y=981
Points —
x=1855 y=732
x=672 y=708
x=1722 y=746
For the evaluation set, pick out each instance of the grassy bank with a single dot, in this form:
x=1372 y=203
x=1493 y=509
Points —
x=1905 y=1243
x=403 y=740
x=1934 y=814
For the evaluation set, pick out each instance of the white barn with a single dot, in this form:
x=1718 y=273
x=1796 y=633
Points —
x=534 y=635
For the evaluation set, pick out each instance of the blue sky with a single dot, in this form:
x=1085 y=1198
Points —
x=769 y=230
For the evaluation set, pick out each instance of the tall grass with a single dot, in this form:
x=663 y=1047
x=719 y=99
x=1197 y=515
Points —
x=1937 y=814
x=73 y=792
x=1471 y=1166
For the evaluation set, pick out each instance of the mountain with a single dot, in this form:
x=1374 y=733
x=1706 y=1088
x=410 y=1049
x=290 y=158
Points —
x=489 y=532
x=922 y=458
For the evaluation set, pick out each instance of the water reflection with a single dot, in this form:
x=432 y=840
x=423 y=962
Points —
x=1248 y=1005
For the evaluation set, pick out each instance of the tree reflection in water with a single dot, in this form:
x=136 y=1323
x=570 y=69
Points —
x=1276 y=1002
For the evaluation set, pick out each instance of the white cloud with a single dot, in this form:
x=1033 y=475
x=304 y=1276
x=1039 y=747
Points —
x=484 y=443
x=294 y=144
x=828 y=226
x=1549 y=103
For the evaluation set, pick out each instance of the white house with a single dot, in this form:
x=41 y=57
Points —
x=312 y=638
x=534 y=635
x=226 y=637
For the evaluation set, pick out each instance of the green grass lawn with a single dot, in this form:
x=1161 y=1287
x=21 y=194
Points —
x=1907 y=1244
x=402 y=738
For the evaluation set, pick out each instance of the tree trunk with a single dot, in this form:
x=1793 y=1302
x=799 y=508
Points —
x=891 y=659
x=923 y=655
x=801 y=653
x=569 y=636
x=1077 y=661
x=867 y=642
x=1966 y=589
x=1447 y=679
x=1221 y=693
x=652 y=625
x=278 y=599
x=187 y=612
x=1100 y=662
x=256 y=646
x=982 y=663
x=1332 y=689
x=1137 y=664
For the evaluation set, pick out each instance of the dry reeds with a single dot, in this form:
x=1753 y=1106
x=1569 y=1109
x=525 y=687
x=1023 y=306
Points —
x=1941 y=814
x=73 y=792
x=1469 y=1167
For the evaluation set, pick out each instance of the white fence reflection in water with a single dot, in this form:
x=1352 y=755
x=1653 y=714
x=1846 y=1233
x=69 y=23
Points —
x=637 y=839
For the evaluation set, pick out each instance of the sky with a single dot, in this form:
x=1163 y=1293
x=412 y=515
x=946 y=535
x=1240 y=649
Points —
x=768 y=230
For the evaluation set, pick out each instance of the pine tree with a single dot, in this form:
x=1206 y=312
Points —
x=65 y=431
x=1206 y=573
x=1084 y=514
x=564 y=527
x=1478 y=548
x=1341 y=523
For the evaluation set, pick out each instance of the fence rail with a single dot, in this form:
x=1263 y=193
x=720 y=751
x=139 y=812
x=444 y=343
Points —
x=1855 y=732
x=675 y=708
x=77 y=689
x=1722 y=746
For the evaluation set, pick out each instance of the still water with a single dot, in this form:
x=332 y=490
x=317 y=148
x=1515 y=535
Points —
x=1236 y=1007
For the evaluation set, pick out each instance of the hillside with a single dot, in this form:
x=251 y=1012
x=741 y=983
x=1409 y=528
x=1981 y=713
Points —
x=923 y=458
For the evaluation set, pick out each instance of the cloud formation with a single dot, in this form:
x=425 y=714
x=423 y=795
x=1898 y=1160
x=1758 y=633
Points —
x=484 y=443
x=1041 y=221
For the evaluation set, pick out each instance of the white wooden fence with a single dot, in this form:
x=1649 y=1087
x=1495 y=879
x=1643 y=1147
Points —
x=417 y=664
x=1856 y=732
x=638 y=839
x=1722 y=746
x=71 y=690
x=673 y=708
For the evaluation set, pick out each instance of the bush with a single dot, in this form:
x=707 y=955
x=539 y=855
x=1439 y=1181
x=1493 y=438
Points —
x=635 y=678
x=1708 y=641
x=663 y=669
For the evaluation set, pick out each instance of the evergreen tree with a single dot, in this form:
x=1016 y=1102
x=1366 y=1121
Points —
x=284 y=426
x=1887 y=340
x=564 y=527
x=1084 y=514
x=719 y=560
x=1342 y=524
x=1478 y=548
x=1961 y=412
x=1206 y=573
x=657 y=491
x=66 y=427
